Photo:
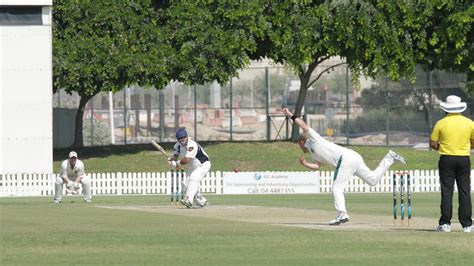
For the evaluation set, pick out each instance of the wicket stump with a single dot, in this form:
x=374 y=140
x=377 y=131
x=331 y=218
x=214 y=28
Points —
x=177 y=178
x=402 y=176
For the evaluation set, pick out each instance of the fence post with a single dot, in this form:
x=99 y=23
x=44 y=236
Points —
x=347 y=104
x=231 y=108
x=195 y=113
x=134 y=183
x=387 y=113
x=168 y=183
x=318 y=181
x=267 y=103
x=161 y=99
x=117 y=180
x=218 y=182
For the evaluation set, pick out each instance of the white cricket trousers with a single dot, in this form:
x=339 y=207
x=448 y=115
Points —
x=350 y=164
x=194 y=180
x=86 y=187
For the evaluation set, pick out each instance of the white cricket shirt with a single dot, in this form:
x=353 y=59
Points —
x=323 y=151
x=191 y=150
x=72 y=173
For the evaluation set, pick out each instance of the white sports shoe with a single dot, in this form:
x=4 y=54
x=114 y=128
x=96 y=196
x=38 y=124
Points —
x=341 y=218
x=201 y=201
x=467 y=229
x=57 y=201
x=443 y=228
x=397 y=157
x=88 y=200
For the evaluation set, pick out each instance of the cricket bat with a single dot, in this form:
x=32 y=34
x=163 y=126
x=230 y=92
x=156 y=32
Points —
x=159 y=148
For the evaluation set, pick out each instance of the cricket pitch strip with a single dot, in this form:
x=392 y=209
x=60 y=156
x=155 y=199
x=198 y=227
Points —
x=292 y=217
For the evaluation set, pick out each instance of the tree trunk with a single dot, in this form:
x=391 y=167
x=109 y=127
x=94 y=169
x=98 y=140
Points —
x=304 y=79
x=78 y=136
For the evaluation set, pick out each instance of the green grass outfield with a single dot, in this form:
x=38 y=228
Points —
x=36 y=232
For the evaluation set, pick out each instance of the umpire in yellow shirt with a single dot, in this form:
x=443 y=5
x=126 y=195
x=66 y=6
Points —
x=453 y=137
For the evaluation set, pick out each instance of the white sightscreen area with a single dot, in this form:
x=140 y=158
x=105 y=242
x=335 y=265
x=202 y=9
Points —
x=26 y=95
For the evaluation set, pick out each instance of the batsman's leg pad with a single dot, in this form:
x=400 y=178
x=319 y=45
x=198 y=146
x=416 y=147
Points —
x=59 y=180
x=184 y=187
x=86 y=187
x=58 y=187
x=192 y=190
x=194 y=180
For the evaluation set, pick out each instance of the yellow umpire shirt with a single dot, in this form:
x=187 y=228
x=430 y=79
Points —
x=454 y=133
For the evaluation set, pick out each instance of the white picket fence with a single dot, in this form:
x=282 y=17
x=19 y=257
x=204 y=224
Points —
x=160 y=183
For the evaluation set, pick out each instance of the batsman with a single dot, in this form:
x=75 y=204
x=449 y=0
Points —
x=197 y=164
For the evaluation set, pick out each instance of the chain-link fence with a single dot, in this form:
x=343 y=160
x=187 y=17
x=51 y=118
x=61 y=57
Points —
x=248 y=108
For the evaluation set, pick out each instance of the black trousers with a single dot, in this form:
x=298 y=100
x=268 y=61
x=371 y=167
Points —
x=455 y=168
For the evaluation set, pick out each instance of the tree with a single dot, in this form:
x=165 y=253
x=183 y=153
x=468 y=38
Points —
x=446 y=40
x=211 y=39
x=370 y=35
x=105 y=46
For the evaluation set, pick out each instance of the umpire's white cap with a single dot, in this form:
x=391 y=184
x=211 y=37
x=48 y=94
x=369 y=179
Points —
x=72 y=154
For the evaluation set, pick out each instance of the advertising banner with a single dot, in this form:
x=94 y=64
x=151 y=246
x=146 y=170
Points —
x=270 y=183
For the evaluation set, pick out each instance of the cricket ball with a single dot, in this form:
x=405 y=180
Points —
x=236 y=169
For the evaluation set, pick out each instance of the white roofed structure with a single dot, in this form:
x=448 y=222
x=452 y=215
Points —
x=26 y=86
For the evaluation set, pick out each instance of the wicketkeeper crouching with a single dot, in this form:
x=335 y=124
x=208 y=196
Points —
x=72 y=174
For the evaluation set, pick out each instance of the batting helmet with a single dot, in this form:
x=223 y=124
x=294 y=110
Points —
x=181 y=133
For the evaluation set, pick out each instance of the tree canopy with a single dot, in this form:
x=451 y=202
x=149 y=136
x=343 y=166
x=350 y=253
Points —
x=105 y=46
x=445 y=36
x=212 y=39
x=101 y=46
x=370 y=35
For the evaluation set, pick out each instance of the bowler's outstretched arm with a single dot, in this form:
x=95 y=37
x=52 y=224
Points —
x=297 y=120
